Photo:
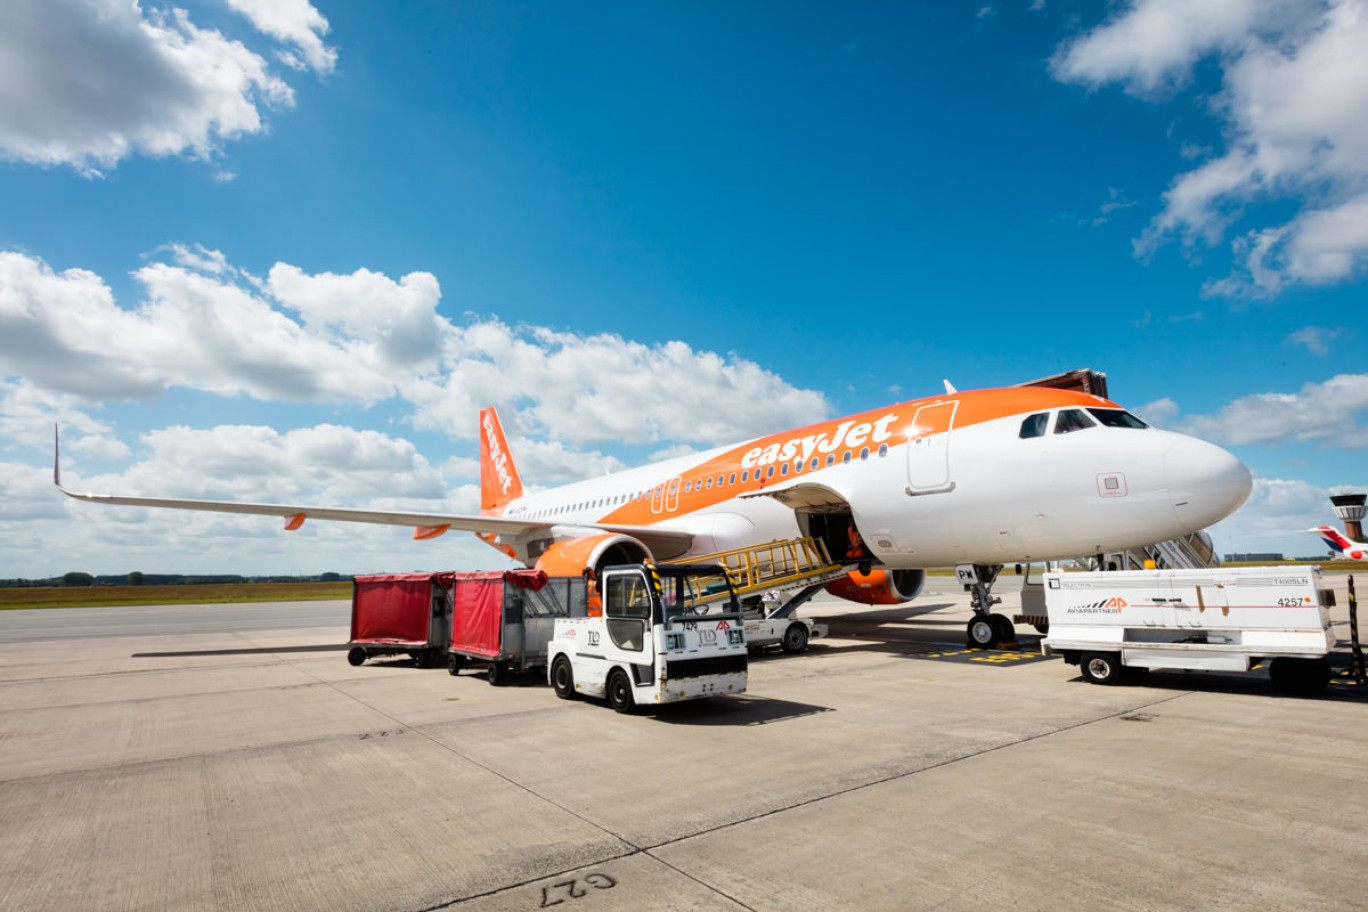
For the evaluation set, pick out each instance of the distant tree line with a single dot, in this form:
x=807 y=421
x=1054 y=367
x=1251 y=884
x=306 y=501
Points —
x=138 y=578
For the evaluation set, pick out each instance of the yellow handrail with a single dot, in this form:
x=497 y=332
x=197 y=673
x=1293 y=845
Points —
x=772 y=565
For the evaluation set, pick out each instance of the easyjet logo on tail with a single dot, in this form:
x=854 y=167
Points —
x=498 y=456
x=499 y=482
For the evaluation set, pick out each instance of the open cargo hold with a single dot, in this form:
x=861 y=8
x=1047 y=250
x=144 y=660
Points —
x=505 y=618
x=401 y=613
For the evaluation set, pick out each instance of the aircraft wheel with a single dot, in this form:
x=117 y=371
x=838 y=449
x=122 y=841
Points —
x=795 y=639
x=983 y=633
x=494 y=674
x=455 y=662
x=1299 y=677
x=1005 y=629
x=1101 y=667
x=563 y=678
x=620 y=691
x=356 y=655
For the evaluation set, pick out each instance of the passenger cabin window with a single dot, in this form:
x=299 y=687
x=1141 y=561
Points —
x=1071 y=420
x=1119 y=418
x=1034 y=425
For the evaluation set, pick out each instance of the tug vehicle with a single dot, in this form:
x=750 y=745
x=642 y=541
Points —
x=663 y=634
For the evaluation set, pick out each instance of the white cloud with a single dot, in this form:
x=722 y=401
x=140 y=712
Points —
x=1159 y=412
x=86 y=83
x=1316 y=338
x=205 y=325
x=326 y=464
x=1275 y=516
x=1295 y=84
x=1325 y=413
x=603 y=387
x=216 y=331
x=362 y=338
x=294 y=22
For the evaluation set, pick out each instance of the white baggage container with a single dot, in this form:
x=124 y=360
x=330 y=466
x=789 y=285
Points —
x=1206 y=619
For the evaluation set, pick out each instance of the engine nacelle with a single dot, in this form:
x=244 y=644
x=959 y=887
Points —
x=879 y=586
x=572 y=556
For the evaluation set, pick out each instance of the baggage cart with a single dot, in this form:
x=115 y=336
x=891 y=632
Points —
x=401 y=613
x=505 y=618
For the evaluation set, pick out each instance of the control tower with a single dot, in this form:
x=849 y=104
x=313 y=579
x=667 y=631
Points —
x=1350 y=509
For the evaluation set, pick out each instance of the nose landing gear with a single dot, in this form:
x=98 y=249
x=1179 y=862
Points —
x=985 y=629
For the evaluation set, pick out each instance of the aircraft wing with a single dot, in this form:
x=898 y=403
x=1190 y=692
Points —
x=426 y=525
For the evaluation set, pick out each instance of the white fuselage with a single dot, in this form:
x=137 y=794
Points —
x=926 y=495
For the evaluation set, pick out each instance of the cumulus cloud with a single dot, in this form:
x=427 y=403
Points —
x=296 y=23
x=87 y=83
x=1326 y=413
x=582 y=388
x=1294 y=86
x=327 y=464
x=1275 y=516
x=66 y=346
x=217 y=330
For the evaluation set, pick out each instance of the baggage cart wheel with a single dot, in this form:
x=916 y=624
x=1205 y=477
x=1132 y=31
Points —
x=795 y=639
x=494 y=674
x=356 y=655
x=1101 y=667
x=1299 y=677
x=563 y=678
x=455 y=663
x=983 y=633
x=620 y=691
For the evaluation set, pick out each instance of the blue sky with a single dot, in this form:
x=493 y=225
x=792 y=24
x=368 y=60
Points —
x=279 y=251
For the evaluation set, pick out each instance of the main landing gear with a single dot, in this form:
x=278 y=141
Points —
x=985 y=630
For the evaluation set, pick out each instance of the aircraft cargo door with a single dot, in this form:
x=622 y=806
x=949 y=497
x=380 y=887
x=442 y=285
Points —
x=928 y=449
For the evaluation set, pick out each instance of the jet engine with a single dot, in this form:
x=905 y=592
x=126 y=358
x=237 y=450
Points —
x=572 y=556
x=879 y=586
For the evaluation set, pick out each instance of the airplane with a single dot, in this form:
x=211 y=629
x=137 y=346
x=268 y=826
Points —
x=1353 y=550
x=975 y=479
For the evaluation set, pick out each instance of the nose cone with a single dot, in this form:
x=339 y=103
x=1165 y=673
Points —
x=1206 y=483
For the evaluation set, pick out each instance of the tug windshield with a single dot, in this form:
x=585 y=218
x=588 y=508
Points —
x=694 y=592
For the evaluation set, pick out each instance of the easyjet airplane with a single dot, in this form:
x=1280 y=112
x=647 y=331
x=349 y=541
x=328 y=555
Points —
x=983 y=478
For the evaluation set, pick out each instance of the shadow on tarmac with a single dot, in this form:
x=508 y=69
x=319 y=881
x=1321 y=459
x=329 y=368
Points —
x=737 y=710
x=264 y=650
x=1254 y=683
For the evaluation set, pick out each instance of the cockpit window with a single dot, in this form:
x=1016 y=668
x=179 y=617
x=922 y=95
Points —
x=1071 y=420
x=1117 y=418
x=1034 y=425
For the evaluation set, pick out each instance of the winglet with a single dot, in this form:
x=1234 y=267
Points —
x=499 y=481
x=949 y=389
x=56 y=456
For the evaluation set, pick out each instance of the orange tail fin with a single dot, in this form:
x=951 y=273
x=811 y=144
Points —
x=499 y=481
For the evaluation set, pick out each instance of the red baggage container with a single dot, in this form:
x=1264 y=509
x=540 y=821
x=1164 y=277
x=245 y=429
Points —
x=505 y=618
x=398 y=613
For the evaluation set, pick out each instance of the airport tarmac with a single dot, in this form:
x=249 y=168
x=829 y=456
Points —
x=150 y=759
